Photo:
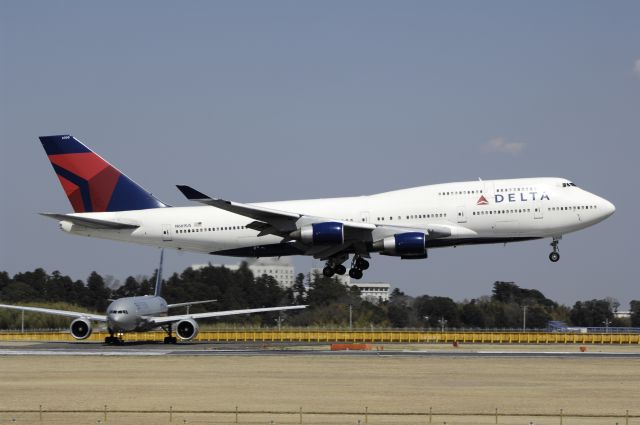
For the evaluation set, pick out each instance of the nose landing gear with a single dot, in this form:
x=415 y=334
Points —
x=555 y=255
x=112 y=338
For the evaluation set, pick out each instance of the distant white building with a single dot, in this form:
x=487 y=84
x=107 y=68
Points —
x=373 y=291
x=370 y=291
x=280 y=268
x=622 y=314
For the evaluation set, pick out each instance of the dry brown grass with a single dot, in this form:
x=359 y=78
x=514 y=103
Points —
x=320 y=383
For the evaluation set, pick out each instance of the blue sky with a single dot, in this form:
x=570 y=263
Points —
x=259 y=101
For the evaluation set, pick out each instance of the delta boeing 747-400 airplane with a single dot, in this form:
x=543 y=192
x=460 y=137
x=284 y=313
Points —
x=403 y=223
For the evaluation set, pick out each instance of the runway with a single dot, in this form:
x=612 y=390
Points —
x=230 y=350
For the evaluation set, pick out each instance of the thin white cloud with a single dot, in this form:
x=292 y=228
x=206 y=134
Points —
x=500 y=145
x=636 y=67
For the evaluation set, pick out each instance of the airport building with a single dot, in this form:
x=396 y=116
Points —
x=281 y=269
x=373 y=292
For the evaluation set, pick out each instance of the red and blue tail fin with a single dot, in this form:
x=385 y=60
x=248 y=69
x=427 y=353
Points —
x=90 y=182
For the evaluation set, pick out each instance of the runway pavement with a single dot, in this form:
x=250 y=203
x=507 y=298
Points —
x=231 y=349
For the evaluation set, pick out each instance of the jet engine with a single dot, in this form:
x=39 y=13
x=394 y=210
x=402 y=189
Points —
x=410 y=245
x=81 y=328
x=328 y=233
x=187 y=329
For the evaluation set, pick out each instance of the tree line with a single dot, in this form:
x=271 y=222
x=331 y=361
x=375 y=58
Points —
x=331 y=304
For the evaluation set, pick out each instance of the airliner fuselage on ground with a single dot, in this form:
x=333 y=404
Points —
x=404 y=223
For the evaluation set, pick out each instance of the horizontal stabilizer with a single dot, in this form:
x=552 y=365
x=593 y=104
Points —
x=92 y=223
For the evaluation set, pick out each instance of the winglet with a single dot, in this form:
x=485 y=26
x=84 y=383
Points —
x=191 y=194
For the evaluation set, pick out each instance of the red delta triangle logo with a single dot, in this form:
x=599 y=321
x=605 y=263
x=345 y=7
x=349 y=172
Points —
x=482 y=201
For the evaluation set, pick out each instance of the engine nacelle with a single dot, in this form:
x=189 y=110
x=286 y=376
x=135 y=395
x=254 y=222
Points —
x=329 y=233
x=187 y=329
x=81 y=328
x=406 y=245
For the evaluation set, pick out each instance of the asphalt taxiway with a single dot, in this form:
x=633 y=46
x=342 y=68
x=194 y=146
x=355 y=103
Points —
x=137 y=349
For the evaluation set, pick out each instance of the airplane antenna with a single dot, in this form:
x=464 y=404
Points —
x=159 y=276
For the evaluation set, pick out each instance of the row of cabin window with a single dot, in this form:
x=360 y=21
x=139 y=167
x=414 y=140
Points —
x=516 y=189
x=409 y=217
x=502 y=212
x=579 y=207
x=210 y=229
x=460 y=192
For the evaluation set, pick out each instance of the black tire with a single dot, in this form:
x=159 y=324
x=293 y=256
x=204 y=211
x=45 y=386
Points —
x=355 y=274
x=554 y=257
x=340 y=269
x=362 y=264
x=328 y=271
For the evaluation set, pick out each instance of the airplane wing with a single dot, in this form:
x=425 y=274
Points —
x=190 y=303
x=66 y=313
x=270 y=221
x=281 y=221
x=161 y=320
x=92 y=223
x=356 y=235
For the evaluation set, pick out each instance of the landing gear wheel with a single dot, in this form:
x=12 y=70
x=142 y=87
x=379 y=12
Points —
x=339 y=269
x=170 y=340
x=362 y=264
x=328 y=271
x=355 y=273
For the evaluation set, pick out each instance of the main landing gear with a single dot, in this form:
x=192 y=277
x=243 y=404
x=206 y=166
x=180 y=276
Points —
x=555 y=255
x=358 y=264
x=334 y=266
x=169 y=339
x=329 y=270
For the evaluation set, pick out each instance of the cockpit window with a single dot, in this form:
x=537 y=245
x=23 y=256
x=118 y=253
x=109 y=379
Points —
x=569 y=184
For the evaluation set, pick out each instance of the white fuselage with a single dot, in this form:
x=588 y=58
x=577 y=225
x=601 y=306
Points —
x=488 y=211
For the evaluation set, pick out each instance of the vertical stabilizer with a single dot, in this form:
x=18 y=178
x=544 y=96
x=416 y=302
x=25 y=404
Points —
x=90 y=182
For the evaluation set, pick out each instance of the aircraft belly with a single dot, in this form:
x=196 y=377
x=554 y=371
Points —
x=508 y=227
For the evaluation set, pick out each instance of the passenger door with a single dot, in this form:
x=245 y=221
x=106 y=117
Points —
x=166 y=233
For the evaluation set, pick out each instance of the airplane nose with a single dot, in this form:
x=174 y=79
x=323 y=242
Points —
x=610 y=207
x=607 y=208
